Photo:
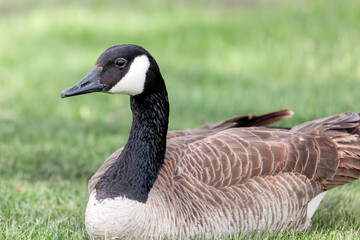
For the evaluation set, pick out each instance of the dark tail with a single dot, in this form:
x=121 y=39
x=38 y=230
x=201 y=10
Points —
x=252 y=120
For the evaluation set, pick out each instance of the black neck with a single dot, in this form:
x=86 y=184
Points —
x=136 y=169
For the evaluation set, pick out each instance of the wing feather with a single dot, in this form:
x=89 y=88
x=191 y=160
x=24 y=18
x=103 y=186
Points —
x=184 y=137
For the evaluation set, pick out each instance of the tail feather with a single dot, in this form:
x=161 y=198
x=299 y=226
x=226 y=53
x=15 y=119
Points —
x=235 y=122
x=252 y=120
x=338 y=139
x=346 y=121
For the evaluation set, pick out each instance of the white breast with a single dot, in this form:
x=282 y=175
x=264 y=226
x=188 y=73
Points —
x=112 y=217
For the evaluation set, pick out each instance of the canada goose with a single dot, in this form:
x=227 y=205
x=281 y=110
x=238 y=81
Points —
x=229 y=177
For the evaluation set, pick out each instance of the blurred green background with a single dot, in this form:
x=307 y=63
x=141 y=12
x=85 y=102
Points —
x=219 y=59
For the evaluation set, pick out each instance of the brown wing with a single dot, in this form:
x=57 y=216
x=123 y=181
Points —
x=238 y=173
x=233 y=156
x=258 y=178
x=187 y=136
x=326 y=150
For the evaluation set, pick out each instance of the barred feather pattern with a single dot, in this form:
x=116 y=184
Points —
x=220 y=180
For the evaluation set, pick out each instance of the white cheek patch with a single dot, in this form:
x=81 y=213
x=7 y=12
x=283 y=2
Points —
x=134 y=81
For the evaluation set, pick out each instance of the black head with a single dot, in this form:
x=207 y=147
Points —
x=124 y=69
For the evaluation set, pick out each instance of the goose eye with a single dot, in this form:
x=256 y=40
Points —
x=120 y=62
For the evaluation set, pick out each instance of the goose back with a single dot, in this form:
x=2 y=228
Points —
x=191 y=135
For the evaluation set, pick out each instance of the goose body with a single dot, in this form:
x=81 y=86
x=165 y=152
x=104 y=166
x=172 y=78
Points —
x=229 y=177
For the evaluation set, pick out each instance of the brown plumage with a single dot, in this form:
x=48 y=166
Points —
x=187 y=136
x=256 y=178
x=233 y=176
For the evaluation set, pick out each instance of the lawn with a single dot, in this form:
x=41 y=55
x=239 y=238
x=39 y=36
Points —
x=219 y=59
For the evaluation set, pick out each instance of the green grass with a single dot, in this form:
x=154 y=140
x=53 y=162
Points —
x=218 y=59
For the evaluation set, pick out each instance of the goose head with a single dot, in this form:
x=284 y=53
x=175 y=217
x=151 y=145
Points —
x=122 y=69
x=130 y=69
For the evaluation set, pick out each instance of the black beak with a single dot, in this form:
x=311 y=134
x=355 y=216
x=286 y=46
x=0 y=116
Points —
x=90 y=83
